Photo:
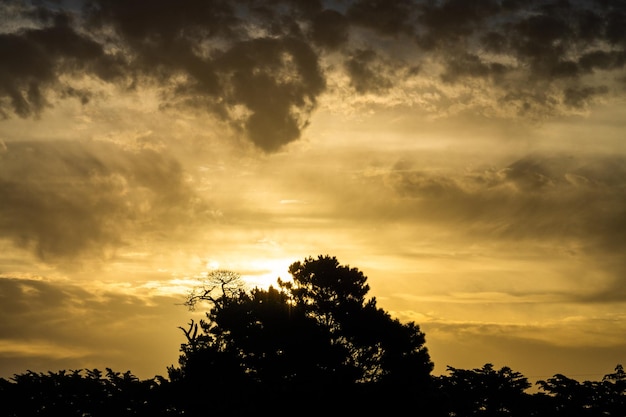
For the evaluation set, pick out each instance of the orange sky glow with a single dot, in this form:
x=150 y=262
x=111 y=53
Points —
x=468 y=157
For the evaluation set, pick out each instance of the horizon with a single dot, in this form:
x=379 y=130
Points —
x=468 y=158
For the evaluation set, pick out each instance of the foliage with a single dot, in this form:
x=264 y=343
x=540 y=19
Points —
x=317 y=333
x=590 y=398
x=83 y=393
x=485 y=392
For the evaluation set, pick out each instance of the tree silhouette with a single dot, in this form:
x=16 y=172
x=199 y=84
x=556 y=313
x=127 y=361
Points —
x=485 y=392
x=315 y=336
x=589 y=398
x=613 y=391
x=84 y=393
x=312 y=345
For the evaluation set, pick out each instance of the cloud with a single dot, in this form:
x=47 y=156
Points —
x=38 y=58
x=559 y=200
x=386 y=18
x=330 y=29
x=366 y=74
x=63 y=200
x=580 y=97
x=262 y=65
x=67 y=323
x=452 y=21
x=526 y=190
x=265 y=84
x=578 y=349
x=277 y=80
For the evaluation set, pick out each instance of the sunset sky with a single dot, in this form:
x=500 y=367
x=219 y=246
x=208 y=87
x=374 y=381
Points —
x=469 y=157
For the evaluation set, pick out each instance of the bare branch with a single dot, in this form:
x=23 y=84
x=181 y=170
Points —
x=191 y=334
x=217 y=287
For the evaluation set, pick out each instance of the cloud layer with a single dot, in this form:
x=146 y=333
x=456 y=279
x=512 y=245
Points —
x=574 y=206
x=66 y=199
x=76 y=326
x=262 y=66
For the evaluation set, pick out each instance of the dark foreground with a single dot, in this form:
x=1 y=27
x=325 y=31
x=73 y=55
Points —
x=476 y=392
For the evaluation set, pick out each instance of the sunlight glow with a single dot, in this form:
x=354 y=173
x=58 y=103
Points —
x=265 y=273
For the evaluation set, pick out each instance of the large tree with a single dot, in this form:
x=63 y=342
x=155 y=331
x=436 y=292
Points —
x=316 y=334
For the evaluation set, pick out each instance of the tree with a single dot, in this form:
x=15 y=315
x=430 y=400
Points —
x=217 y=287
x=209 y=362
x=613 y=392
x=315 y=334
x=589 y=398
x=84 y=393
x=380 y=348
x=485 y=392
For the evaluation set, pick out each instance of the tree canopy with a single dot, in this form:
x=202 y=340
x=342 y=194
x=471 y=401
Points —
x=315 y=333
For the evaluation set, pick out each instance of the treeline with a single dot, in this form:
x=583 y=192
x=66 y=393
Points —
x=463 y=392
x=314 y=345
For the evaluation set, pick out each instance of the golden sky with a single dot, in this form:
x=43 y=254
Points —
x=468 y=157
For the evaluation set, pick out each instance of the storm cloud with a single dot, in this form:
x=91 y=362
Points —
x=262 y=66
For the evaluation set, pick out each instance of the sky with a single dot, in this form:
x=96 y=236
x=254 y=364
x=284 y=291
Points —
x=467 y=157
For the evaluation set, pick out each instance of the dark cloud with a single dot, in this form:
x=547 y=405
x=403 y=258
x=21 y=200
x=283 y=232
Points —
x=160 y=23
x=589 y=25
x=259 y=65
x=616 y=19
x=37 y=58
x=603 y=60
x=367 y=74
x=279 y=9
x=470 y=65
x=34 y=304
x=525 y=48
x=579 y=97
x=452 y=21
x=548 y=41
x=385 y=17
x=278 y=81
x=64 y=199
x=329 y=29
